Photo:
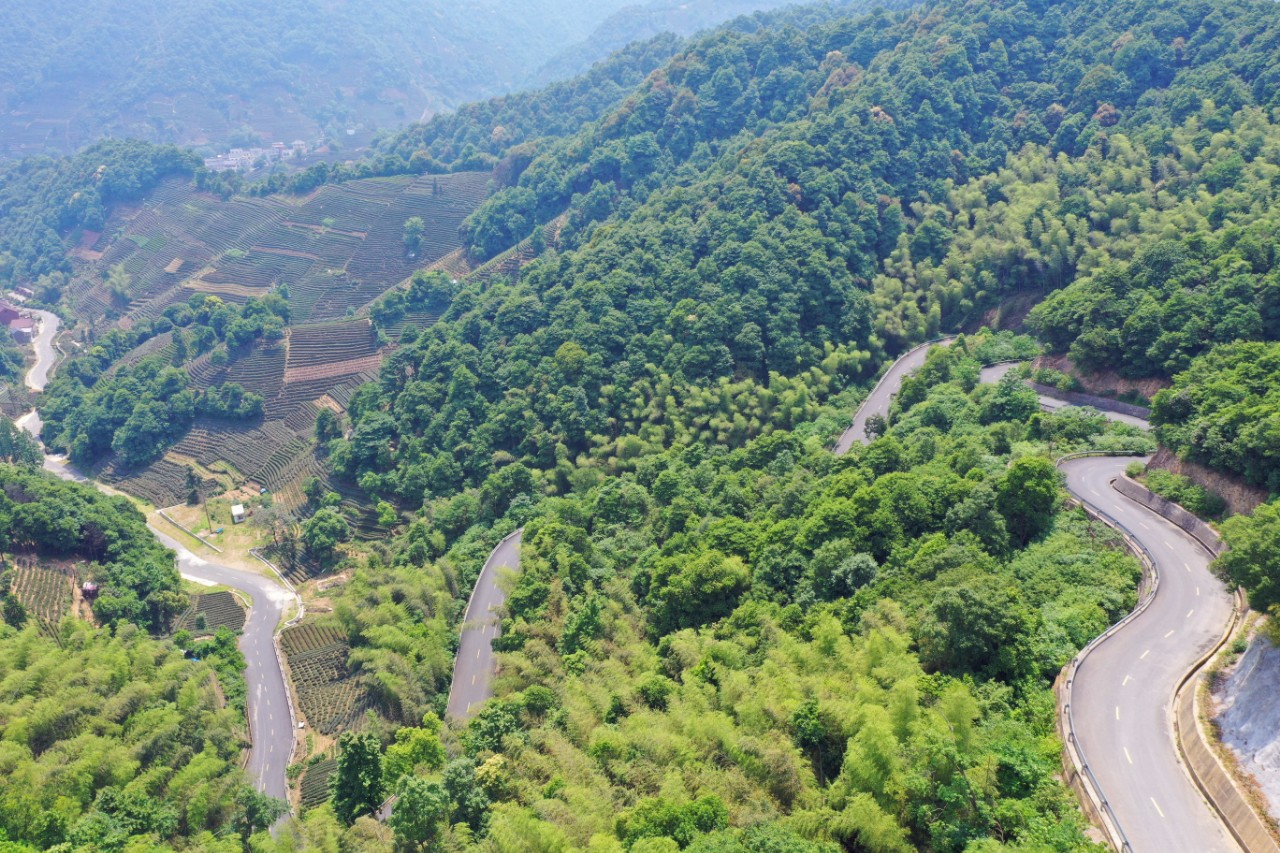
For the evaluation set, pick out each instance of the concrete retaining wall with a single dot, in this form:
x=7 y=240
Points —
x=1213 y=779
x=1106 y=404
x=1203 y=533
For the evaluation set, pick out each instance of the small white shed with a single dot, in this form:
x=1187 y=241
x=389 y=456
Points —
x=237 y=513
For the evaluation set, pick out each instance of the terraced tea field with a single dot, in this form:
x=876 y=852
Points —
x=163 y=483
x=331 y=698
x=45 y=592
x=220 y=610
x=314 y=786
x=336 y=249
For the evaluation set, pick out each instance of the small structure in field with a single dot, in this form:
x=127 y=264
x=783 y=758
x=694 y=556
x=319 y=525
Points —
x=89 y=590
x=237 y=513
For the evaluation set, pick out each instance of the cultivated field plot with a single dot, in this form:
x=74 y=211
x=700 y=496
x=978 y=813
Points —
x=331 y=342
x=337 y=249
x=331 y=698
x=162 y=483
x=44 y=591
x=314 y=786
x=260 y=370
x=219 y=609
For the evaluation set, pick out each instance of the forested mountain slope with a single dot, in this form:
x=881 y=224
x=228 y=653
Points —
x=776 y=200
x=725 y=638
x=214 y=72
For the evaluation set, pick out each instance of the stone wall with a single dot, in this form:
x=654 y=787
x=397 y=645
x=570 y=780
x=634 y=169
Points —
x=1105 y=404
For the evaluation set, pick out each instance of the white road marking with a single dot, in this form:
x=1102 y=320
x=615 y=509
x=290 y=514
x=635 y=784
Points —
x=473 y=680
x=1127 y=679
x=1197 y=590
x=1189 y=612
x=1144 y=654
x=1143 y=524
x=1188 y=565
x=1157 y=805
x=1170 y=634
x=1127 y=755
x=1117 y=712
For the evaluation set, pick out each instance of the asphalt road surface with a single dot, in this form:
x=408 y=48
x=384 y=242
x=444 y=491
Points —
x=38 y=375
x=877 y=402
x=270 y=723
x=476 y=664
x=1123 y=691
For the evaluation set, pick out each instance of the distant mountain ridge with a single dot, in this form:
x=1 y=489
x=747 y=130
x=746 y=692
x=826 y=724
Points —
x=237 y=72
x=209 y=72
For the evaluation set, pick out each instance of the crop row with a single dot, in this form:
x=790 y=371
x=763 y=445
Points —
x=314 y=786
x=261 y=370
x=330 y=696
x=334 y=369
x=260 y=269
x=302 y=420
x=309 y=636
x=330 y=342
x=160 y=345
x=162 y=483
x=45 y=592
x=274 y=472
x=220 y=609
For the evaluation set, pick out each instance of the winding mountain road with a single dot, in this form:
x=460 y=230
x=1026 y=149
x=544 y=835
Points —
x=46 y=358
x=877 y=402
x=1123 y=690
x=269 y=711
x=1122 y=695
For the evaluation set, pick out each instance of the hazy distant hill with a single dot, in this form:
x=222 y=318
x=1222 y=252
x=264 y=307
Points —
x=206 y=71
x=643 y=20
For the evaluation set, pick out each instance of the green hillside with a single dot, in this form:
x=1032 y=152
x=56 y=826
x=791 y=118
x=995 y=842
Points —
x=671 y=282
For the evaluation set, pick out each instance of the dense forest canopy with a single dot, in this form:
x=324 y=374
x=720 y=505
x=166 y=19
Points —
x=714 y=647
x=115 y=742
x=787 y=207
